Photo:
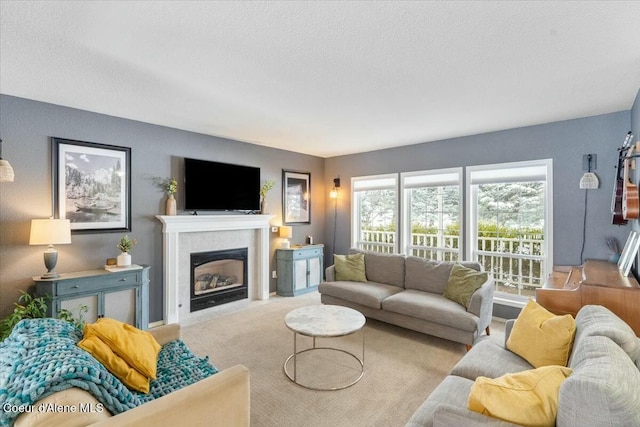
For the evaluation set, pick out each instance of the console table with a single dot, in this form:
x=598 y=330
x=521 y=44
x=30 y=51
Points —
x=299 y=269
x=122 y=295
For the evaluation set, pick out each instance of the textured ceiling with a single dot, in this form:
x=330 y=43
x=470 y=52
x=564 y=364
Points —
x=325 y=77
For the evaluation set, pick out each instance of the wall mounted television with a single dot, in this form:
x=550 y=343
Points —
x=215 y=186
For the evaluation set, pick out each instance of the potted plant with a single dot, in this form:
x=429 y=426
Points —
x=264 y=190
x=30 y=307
x=169 y=186
x=125 y=245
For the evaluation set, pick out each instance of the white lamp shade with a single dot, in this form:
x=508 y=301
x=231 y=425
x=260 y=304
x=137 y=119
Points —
x=6 y=171
x=286 y=232
x=50 y=232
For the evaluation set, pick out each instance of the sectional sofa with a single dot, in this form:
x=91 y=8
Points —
x=602 y=390
x=408 y=292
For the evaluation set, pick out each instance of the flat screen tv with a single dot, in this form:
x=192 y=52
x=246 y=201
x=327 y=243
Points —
x=214 y=186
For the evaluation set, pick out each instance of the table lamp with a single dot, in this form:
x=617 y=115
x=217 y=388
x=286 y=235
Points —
x=50 y=232
x=286 y=233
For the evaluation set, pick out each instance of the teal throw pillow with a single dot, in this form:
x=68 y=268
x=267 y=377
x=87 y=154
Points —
x=350 y=267
x=462 y=283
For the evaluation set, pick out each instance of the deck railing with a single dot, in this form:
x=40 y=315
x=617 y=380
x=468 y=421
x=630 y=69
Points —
x=516 y=264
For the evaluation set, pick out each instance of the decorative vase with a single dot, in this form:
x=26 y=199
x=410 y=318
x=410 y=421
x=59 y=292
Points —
x=124 y=259
x=170 y=208
x=614 y=258
x=263 y=207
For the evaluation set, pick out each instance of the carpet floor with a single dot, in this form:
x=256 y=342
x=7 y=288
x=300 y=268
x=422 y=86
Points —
x=402 y=367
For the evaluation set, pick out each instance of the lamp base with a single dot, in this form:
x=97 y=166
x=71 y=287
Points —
x=50 y=261
x=285 y=244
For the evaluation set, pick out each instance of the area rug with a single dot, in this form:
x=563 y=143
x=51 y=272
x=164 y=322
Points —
x=402 y=367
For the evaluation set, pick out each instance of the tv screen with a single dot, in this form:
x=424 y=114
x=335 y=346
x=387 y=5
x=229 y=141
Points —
x=212 y=186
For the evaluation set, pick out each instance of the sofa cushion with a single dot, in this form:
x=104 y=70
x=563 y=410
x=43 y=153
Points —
x=133 y=379
x=489 y=358
x=540 y=337
x=383 y=268
x=137 y=347
x=431 y=307
x=529 y=398
x=430 y=276
x=603 y=390
x=369 y=294
x=596 y=320
x=350 y=267
x=452 y=390
x=462 y=283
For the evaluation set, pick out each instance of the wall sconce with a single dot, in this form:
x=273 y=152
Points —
x=286 y=232
x=333 y=194
x=6 y=171
x=589 y=180
x=50 y=232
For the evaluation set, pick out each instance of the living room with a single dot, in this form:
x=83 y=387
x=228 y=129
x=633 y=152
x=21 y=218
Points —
x=34 y=109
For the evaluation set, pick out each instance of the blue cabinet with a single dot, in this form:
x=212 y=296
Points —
x=299 y=269
x=122 y=295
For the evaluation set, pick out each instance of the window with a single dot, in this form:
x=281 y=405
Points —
x=431 y=214
x=509 y=212
x=374 y=213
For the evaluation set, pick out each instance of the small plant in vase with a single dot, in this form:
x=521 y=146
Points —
x=264 y=190
x=169 y=186
x=125 y=245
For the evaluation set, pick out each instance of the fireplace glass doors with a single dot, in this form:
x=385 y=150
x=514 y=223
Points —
x=218 y=277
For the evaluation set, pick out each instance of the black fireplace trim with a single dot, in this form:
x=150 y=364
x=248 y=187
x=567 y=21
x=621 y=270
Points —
x=200 y=302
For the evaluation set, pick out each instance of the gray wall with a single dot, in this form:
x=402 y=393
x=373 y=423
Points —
x=565 y=142
x=26 y=127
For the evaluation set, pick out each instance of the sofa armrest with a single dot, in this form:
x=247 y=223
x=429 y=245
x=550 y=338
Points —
x=446 y=415
x=330 y=274
x=166 y=333
x=222 y=399
x=482 y=304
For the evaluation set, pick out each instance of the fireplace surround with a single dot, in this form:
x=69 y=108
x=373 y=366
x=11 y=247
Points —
x=183 y=234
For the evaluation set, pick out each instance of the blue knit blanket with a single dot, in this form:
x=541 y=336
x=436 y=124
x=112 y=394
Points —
x=41 y=357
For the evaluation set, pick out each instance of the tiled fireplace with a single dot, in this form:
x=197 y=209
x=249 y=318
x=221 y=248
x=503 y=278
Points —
x=184 y=235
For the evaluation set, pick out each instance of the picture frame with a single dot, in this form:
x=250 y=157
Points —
x=91 y=185
x=296 y=197
x=629 y=253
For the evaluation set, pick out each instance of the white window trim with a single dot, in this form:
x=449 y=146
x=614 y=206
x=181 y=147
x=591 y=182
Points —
x=471 y=198
x=355 y=208
x=406 y=203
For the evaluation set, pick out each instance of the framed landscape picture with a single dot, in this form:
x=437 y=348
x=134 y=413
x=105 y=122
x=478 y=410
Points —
x=296 y=197
x=92 y=185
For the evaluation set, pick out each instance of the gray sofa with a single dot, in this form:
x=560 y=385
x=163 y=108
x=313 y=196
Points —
x=408 y=292
x=603 y=390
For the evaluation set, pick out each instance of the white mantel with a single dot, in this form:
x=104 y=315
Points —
x=174 y=226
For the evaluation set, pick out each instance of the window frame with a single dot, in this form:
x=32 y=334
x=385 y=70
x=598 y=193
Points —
x=471 y=208
x=406 y=203
x=355 y=206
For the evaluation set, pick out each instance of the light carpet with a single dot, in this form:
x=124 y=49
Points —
x=402 y=367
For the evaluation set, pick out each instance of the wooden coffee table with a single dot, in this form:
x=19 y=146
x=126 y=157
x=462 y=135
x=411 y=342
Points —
x=323 y=321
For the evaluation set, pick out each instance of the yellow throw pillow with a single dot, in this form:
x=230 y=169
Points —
x=462 y=284
x=542 y=338
x=350 y=267
x=138 y=348
x=114 y=364
x=528 y=398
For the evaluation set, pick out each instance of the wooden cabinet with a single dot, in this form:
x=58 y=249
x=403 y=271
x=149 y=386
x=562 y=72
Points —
x=299 y=269
x=122 y=295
